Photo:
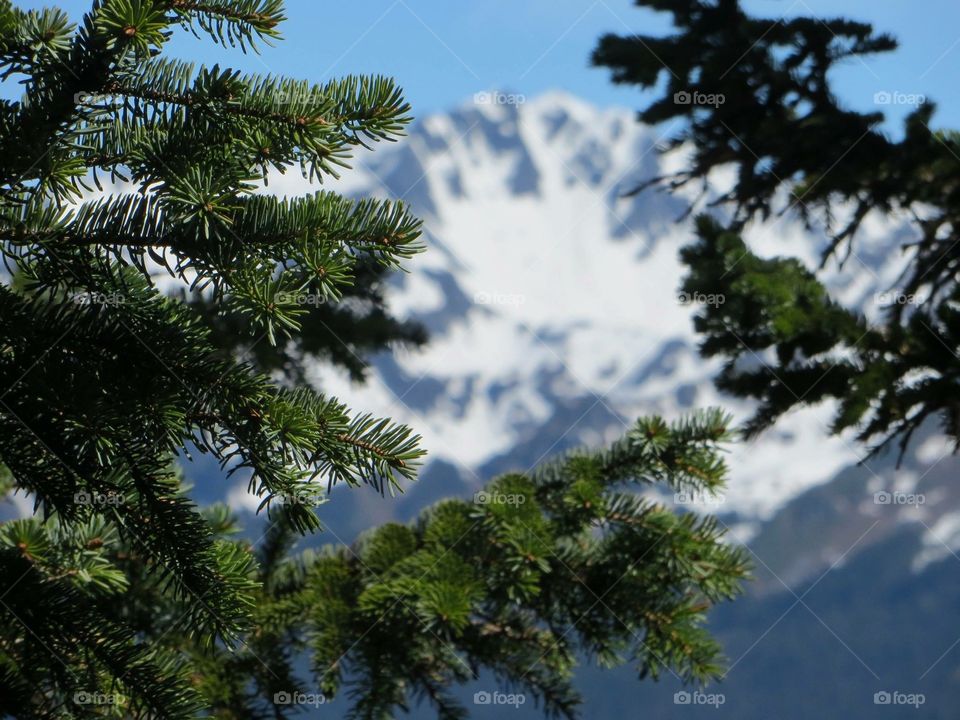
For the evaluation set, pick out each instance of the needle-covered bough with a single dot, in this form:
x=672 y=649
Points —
x=147 y=268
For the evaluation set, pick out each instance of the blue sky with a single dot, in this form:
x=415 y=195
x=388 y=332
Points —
x=443 y=51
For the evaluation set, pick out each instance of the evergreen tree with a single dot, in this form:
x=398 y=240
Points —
x=538 y=571
x=775 y=120
x=119 y=596
x=105 y=379
x=342 y=333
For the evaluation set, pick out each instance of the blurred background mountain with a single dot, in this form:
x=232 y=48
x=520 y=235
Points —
x=554 y=319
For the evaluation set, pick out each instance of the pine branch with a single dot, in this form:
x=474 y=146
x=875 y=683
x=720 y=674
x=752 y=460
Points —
x=537 y=572
x=233 y=22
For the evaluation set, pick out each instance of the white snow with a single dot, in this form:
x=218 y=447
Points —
x=558 y=284
x=940 y=541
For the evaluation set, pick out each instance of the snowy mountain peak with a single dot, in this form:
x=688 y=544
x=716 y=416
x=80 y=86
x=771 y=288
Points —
x=552 y=298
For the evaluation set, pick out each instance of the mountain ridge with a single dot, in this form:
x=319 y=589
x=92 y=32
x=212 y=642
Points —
x=546 y=284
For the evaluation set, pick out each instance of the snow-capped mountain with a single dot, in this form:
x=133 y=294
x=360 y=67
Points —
x=552 y=304
x=552 y=299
